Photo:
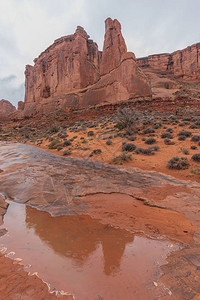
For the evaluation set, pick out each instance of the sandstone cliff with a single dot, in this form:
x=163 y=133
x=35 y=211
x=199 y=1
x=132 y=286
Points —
x=6 y=107
x=184 y=64
x=73 y=73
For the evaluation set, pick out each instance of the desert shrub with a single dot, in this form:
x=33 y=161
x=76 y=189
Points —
x=186 y=152
x=148 y=131
x=67 y=143
x=193 y=147
x=187 y=119
x=195 y=170
x=168 y=142
x=54 y=129
x=182 y=138
x=196 y=157
x=90 y=133
x=66 y=152
x=129 y=131
x=170 y=130
x=178 y=163
x=185 y=133
x=195 y=138
x=167 y=135
x=157 y=125
x=150 y=141
x=154 y=148
x=138 y=150
x=131 y=138
x=95 y=151
x=63 y=136
x=193 y=126
x=120 y=159
x=108 y=142
x=59 y=148
x=128 y=147
x=182 y=124
x=148 y=151
x=197 y=122
x=53 y=144
x=126 y=118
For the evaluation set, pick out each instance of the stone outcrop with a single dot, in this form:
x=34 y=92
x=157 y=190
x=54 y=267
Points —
x=20 y=105
x=6 y=108
x=73 y=73
x=184 y=64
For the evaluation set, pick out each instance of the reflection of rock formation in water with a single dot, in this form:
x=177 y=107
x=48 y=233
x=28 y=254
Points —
x=78 y=236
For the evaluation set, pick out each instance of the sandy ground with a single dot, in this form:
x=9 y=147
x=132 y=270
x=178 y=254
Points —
x=156 y=162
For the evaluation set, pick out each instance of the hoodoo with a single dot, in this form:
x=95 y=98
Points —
x=73 y=73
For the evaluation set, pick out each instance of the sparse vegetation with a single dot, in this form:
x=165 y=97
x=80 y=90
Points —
x=195 y=138
x=196 y=157
x=108 y=142
x=178 y=163
x=54 y=129
x=167 y=135
x=185 y=133
x=120 y=159
x=148 y=131
x=53 y=144
x=67 y=152
x=95 y=151
x=127 y=118
x=128 y=147
x=195 y=170
x=150 y=141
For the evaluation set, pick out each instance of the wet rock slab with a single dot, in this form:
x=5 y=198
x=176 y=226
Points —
x=55 y=184
x=58 y=185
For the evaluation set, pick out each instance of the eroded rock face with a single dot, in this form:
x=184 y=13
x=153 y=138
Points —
x=20 y=105
x=73 y=73
x=182 y=63
x=114 y=46
x=6 y=107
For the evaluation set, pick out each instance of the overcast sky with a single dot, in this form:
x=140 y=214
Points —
x=27 y=27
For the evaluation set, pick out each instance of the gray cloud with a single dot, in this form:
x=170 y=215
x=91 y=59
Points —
x=27 y=27
x=11 y=91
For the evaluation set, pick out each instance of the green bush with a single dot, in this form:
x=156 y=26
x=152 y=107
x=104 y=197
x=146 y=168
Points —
x=53 y=143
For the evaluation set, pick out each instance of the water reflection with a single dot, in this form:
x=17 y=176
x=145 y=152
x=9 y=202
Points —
x=77 y=237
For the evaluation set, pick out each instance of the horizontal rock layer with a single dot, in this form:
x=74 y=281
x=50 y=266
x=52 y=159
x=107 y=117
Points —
x=184 y=64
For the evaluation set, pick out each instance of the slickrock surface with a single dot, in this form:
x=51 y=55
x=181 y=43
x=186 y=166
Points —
x=157 y=204
x=184 y=64
x=73 y=73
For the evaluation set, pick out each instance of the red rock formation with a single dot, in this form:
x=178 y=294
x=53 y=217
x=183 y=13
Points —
x=183 y=63
x=73 y=73
x=20 y=105
x=114 y=47
x=6 y=107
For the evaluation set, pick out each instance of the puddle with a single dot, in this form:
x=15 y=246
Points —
x=79 y=255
